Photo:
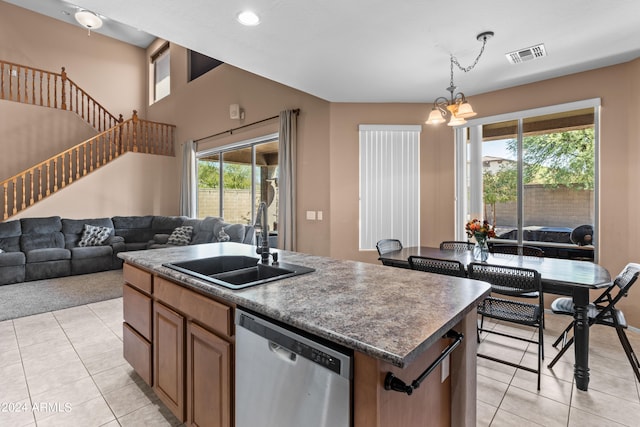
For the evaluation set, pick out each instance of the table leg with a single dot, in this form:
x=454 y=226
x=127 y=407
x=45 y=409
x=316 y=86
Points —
x=581 y=335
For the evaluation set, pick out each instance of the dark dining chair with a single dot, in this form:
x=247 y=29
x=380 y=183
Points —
x=455 y=245
x=389 y=245
x=603 y=311
x=516 y=250
x=437 y=265
x=511 y=281
x=526 y=251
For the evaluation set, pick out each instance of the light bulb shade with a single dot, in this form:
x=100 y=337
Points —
x=88 y=19
x=435 y=117
x=465 y=111
x=455 y=121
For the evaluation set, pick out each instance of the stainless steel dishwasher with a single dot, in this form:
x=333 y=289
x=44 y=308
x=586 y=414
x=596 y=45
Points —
x=285 y=379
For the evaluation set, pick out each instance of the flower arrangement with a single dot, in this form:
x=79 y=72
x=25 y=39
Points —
x=481 y=230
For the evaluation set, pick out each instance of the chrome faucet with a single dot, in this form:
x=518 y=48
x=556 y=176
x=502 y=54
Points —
x=263 y=245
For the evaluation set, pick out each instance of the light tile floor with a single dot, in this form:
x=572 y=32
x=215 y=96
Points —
x=508 y=396
x=65 y=368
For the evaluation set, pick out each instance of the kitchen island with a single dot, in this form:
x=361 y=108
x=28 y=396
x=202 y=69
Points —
x=393 y=320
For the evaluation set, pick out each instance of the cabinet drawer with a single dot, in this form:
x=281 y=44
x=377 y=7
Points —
x=137 y=351
x=208 y=312
x=139 y=278
x=137 y=310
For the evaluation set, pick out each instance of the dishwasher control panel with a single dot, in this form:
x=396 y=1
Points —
x=310 y=350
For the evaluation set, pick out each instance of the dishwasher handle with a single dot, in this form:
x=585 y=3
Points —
x=281 y=352
x=391 y=382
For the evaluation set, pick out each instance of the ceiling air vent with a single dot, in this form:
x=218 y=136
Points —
x=527 y=54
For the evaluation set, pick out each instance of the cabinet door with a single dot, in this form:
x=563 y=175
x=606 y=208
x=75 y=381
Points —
x=208 y=378
x=168 y=347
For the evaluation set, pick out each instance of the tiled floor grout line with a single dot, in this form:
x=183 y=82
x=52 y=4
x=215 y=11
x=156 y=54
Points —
x=117 y=419
x=24 y=372
x=85 y=366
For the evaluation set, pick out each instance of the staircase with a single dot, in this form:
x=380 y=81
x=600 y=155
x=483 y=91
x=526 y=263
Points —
x=116 y=136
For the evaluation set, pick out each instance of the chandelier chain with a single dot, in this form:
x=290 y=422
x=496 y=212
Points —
x=454 y=60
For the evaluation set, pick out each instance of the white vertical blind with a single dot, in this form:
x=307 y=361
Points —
x=389 y=184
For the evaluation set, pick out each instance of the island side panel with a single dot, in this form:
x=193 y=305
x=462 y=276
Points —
x=464 y=374
x=376 y=407
x=434 y=403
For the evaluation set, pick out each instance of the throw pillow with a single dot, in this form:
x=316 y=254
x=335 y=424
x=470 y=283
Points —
x=94 y=235
x=181 y=236
x=1 y=251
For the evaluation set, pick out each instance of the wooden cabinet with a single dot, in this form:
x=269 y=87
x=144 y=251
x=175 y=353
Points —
x=181 y=343
x=208 y=378
x=137 y=329
x=137 y=351
x=168 y=348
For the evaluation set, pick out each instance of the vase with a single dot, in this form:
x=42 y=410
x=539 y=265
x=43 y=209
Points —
x=481 y=250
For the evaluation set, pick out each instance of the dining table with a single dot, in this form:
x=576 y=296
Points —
x=559 y=276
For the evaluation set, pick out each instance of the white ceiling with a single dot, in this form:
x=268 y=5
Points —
x=389 y=50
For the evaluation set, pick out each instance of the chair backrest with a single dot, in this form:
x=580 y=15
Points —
x=627 y=277
x=458 y=246
x=606 y=302
x=388 y=245
x=515 y=250
x=504 y=280
x=436 y=265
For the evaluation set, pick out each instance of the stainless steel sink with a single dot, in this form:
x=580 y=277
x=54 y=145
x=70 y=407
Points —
x=237 y=272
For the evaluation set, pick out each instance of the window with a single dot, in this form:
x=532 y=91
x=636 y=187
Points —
x=200 y=64
x=389 y=184
x=161 y=73
x=234 y=180
x=532 y=175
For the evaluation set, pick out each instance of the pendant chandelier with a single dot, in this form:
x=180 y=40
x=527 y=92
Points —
x=457 y=104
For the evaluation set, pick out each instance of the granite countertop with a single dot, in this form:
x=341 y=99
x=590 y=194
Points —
x=388 y=313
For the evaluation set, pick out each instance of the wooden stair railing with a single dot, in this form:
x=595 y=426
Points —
x=28 y=85
x=34 y=184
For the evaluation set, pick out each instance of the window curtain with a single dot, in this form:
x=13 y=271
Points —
x=287 y=180
x=188 y=187
x=389 y=184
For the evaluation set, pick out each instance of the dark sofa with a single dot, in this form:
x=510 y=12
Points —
x=41 y=248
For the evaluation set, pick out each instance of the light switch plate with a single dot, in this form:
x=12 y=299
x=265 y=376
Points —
x=319 y=216
x=311 y=215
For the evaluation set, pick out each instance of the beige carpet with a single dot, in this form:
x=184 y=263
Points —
x=40 y=296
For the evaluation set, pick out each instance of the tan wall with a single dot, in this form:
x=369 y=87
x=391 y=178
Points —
x=328 y=134
x=115 y=75
x=436 y=170
x=23 y=144
x=201 y=108
x=617 y=86
x=112 y=72
x=133 y=184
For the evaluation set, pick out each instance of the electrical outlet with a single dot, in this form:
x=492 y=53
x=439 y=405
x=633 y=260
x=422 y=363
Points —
x=444 y=369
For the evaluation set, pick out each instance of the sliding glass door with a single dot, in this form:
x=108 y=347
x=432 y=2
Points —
x=533 y=175
x=234 y=180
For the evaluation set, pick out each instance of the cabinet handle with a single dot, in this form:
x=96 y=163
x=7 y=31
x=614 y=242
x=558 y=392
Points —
x=391 y=382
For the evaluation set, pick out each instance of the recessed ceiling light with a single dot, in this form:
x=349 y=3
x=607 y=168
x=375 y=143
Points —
x=248 y=18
